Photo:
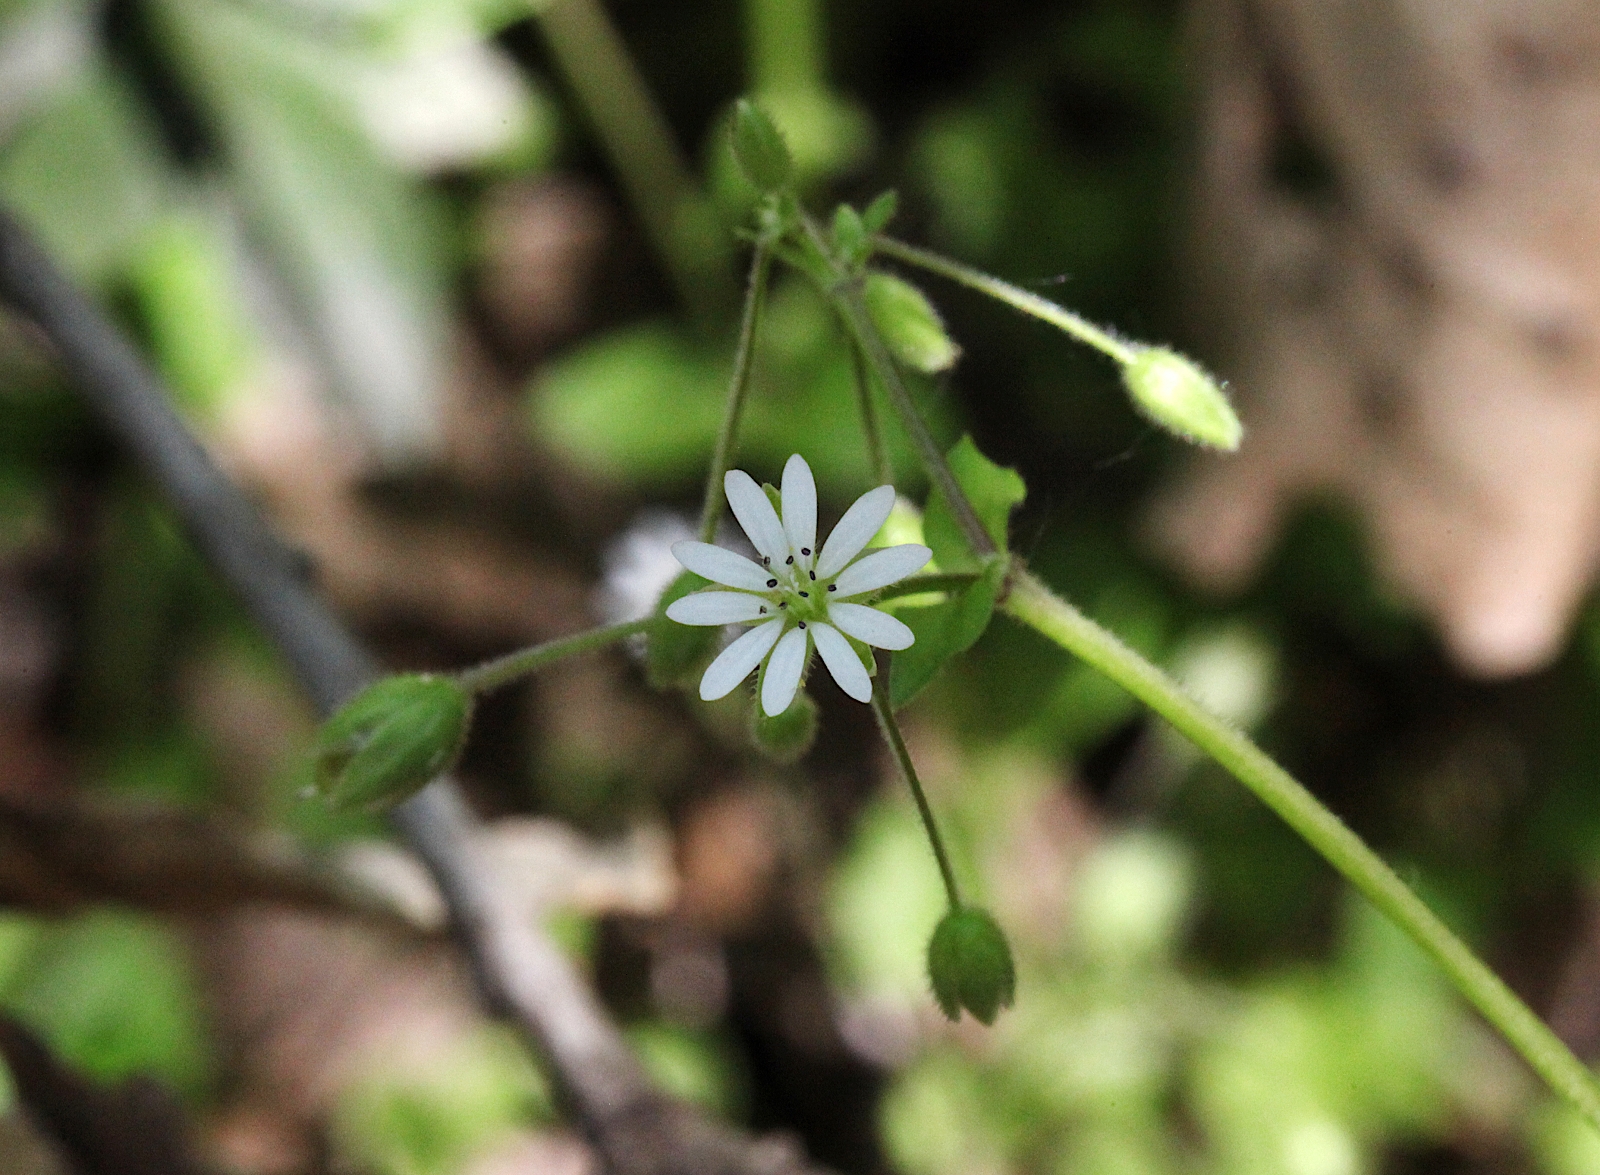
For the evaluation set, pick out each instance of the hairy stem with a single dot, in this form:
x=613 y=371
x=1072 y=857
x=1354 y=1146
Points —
x=897 y=745
x=946 y=581
x=493 y=674
x=640 y=144
x=869 y=418
x=1036 y=605
x=1075 y=325
x=738 y=387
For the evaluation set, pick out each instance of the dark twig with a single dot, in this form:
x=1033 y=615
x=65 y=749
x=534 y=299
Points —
x=521 y=973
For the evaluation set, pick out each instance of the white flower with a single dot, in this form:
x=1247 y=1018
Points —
x=796 y=594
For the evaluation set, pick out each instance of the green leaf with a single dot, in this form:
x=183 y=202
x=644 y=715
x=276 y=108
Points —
x=850 y=242
x=391 y=739
x=881 y=211
x=675 y=654
x=994 y=492
x=943 y=630
x=910 y=325
x=759 y=148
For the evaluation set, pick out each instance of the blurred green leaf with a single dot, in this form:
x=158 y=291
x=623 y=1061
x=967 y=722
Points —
x=994 y=492
x=942 y=630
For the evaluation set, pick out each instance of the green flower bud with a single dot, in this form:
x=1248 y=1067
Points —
x=676 y=653
x=388 y=741
x=850 y=242
x=881 y=211
x=1182 y=397
x=969 y=963
x=758 y=146
x=909 y=324
x=787 y=737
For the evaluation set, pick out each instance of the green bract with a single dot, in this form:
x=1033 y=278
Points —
x=909 y=324
x=969 y=964
x=391 y=739
x=1182 y=397
x=758 y=146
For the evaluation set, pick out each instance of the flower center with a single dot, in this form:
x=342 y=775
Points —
x=797 y=592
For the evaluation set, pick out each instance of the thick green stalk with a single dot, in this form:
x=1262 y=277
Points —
x=634 y=134
x=878 y=455
x=493 y=674
x=755 y=297
x=785 y=41
x=897 y=745
x=1075 y=325
x=1036 y=605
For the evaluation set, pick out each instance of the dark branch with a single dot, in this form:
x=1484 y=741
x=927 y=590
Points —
x=521 y=974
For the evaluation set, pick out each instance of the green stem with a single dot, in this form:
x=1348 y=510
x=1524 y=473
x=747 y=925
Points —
x=869 y=419
x=785 y=39
x=636 y=137
x=493 y=674
x=738 y=387
x=1075 y=325
x=1036 y=605
x=897 y=745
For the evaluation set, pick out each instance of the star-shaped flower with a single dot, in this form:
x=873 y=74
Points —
x=797 y=594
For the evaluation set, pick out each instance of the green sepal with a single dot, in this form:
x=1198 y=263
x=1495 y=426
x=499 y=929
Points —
x=774 y=496
x=909 y=324
x=850 y=243
x=675 y=654
x=994 y=492
x=786 y=738
x=943 y=630
x=1175 y=392
x=881 y=211
x=969 y=965
x=390 y=740
x=759 y=148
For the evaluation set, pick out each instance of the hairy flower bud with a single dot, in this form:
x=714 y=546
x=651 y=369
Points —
x=1182 y=397
x=969 y=964
x=759 y=148
x=909 y=324
x=388 y=741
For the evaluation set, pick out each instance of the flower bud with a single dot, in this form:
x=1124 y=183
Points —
x=788 y=736
x=1182 y=397
x=758 y=146
x=676 y=653
x=969 y=964
x=390 y=739
x=909 y=324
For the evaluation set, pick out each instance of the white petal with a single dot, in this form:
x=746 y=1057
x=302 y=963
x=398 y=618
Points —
x=755 y=513
x=783 y=672
x=870 y=626
x=842 y=662
x=855 y=530
x=738 y=659
x=799 y=495
x=881 y=568
x=721 y=566
x=716 y=608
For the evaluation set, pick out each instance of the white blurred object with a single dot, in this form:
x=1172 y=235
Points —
x=638 y=565
x=43 y=47
x=1421 y=331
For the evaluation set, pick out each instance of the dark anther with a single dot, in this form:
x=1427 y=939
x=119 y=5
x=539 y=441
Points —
x=805 y=550
x=833 y=587
x=813 y=574
x=802 y=624
x=772 y=583
x=783 y=603
x=766 y=560
x=790 y=559
x=806 y=594
x=763 y=611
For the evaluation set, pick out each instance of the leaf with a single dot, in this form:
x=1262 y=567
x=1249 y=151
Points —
x=759 y=148
x=994 y=492
x=881 y=211
x=942 y=631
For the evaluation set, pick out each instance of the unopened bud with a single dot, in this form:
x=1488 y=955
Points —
x=759 y=148
x=969 y=964
x=1182 y=397
x=909 y=324
x=786 y=737
x=388 y=741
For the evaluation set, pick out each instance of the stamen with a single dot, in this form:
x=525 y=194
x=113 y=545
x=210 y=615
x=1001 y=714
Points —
x=790 y=559
x=766 y=560
x=833 y=587
x=772 y=583
x=807 y=595
x=802 y=624
x=763 y=611
x=805 y=550
x=783 y=603
x=813 y=574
